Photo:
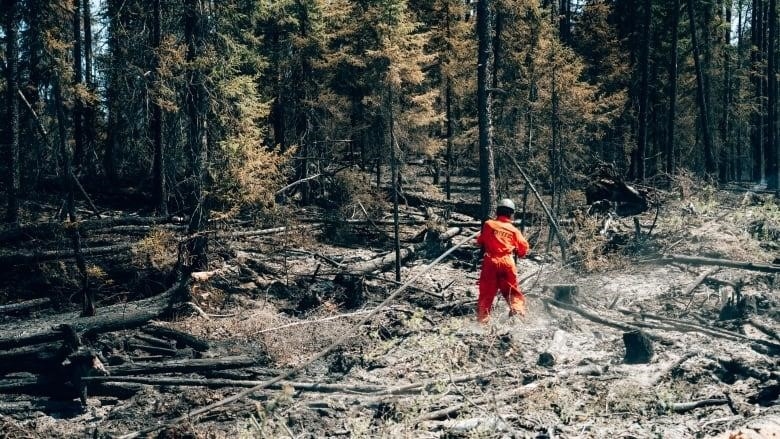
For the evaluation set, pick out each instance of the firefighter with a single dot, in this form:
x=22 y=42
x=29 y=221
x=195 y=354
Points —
x=500 y=240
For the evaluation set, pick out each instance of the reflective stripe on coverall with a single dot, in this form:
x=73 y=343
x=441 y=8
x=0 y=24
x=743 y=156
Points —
x=499 y=239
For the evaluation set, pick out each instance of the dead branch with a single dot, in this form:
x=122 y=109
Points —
x=346 y=335
x=695 y=260
x=684 y=326
x=183 y=366
x=514 y=393
x=383 y=262
x=184 y=338
x=562 y=241
x=682 y=407
x=698 y=281
x=765 y=329
x=606 y=322
x=674 y=366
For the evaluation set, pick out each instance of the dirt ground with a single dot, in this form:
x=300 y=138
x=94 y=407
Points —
x=422 y=369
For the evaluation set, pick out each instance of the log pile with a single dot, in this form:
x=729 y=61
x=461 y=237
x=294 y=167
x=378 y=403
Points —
x=68 y=356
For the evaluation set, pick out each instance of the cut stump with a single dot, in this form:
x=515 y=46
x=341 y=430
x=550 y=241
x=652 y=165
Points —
x=639 y=347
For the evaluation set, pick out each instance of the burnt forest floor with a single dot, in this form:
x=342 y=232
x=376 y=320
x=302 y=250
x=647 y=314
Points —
x=422 y=367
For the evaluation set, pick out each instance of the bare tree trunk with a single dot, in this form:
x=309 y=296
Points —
x=78 y=79
x=12 y=108
x=395 y=183
x=112 y=93
x=725 y=161
x=197 y=109
x=644 y=99
x=487 y=174
x=771 y=150
x=155 y=123
x=88 y=298
x=710 y=165
x=89 y=123
x=757 y=129
x=736 y=149
x=450 y=133
x=673 y=77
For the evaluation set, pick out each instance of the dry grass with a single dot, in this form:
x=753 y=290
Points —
x=158 y=249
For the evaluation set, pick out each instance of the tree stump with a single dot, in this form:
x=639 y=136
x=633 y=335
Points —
x=565 y=293
x=546 y=359
x=639 y=347
x=740 y=307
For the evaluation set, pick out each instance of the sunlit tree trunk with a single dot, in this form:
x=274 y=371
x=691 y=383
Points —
x=484 y=114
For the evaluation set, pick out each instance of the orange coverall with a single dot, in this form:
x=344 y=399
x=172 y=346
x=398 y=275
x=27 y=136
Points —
x=499 y=239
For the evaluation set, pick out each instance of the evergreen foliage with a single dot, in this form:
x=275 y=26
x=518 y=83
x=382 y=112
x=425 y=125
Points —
x=294 y=88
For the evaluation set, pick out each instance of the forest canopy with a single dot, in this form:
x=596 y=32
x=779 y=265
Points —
x=219 y=105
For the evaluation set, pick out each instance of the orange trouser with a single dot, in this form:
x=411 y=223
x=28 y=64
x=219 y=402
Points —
x=498 y=274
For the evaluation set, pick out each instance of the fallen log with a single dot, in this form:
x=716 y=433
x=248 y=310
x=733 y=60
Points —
x=320 y=355
x=112 y=318
x=52 y=230
x=183 y=366
x=489 y=399
x=384 y=262
x=26 y=257
x=23 y=306
x=218 y=383
x=263 y=232
x=606 y=322
x=33 y=359
x=771 y=332
x=684 y=326
x=695 y=260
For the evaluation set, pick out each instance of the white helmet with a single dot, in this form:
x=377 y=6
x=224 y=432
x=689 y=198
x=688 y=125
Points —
x=506 y=202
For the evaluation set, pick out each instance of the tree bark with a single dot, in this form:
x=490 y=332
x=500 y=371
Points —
x=639 y=348
x=673 y=77
x=725 y=126
x=111 y=145
x=487 y=173
x=771 y=148
x=756 y=55
x=78 y=81
x=195 y=24
x=710 y=165
x=89 y=118
x=159 y=193
x=183 y=366
x=644 y=98
x=113 y=318
x=11 y=24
